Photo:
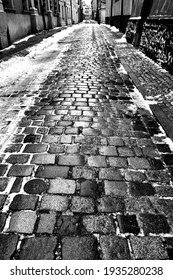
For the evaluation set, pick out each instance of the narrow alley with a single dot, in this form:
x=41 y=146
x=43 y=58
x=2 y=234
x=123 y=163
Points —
x=86 y=168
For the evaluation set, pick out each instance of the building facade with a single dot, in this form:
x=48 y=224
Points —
x=19 y=18
x=150 y=27
x=118 y=13
x=98 y=10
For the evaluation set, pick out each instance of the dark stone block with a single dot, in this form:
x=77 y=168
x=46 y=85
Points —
x=16 y=185
x=141 y=189
x=152 y=223
x=3 y=184
x=32 y=138
x=168 y=159
x=128 y=224
x=163 y=148
x=24 y=202
x=19 y=158
x=3 y=168
x=156 y=164
x=67 y=225
x=3 y=217
x=38 y=248
x=35 y=186
x=79 y=248
x=8 y=245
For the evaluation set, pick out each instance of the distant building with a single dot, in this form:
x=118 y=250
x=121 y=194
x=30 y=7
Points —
x=19 y=18
x=118 y=13
x=99 y=10
x=87 y=13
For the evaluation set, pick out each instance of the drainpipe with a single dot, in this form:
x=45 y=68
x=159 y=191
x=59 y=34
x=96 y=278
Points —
x=121 y=18
x=110 y=19
x=71 y=11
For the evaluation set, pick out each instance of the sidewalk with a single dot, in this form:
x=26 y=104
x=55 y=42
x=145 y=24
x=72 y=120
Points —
x=87 y=172
x=154 y=82
x=19 y=47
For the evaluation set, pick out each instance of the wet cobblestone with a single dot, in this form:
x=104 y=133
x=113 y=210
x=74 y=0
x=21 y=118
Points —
x=88 y=158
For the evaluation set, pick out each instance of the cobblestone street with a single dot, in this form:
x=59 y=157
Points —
x=87 y=172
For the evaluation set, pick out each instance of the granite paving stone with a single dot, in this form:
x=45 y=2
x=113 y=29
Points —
x=102 y=224
x=141 y=189
x=89 y=188
x=43 y=159
x=82 y=204
x=35 y=186
x=128 y=224
x=62 y=186
x=79 y=248
x=97 y=161
x=38 y=248
x=8 y=245
x=52 y=171
x=3 y=169
x=16 y=185
x=110 y=174
x=153 y=223
x=18 y=159
x=3 y=217
x=110 y=204
x=35 y=148
x=46 y=223
x=114 y=188
x=3 y=183
x=22 y=222
x=114 y=247
x=67 y=225
x=138 y=163
x=148 y=248
x=54 y=203
x=71 y=160
x=19 y=170
x=23 y=202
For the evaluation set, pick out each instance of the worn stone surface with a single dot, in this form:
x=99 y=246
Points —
x=110 y=174
x=3 y=183
x=23 y=202
x=114 y=248
x=113 y=188
x=67 y=225
x=102 y=224
x=52 y=172
x=43 y=159
x=54 y=202
x=3 y=217
x=2 y=200
x=82 y=204
x=153 y=223
x=38 y=248
x=71 y=160
x=22 y=222
x=62 y=186
x=141 y=189
x=148 y=248
x=20 y=170
x=79 y=248
x=128 y=224
x=8 y=244
x=110 y=204
x=46 y=223
x=35 y=186
x=89 y=188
